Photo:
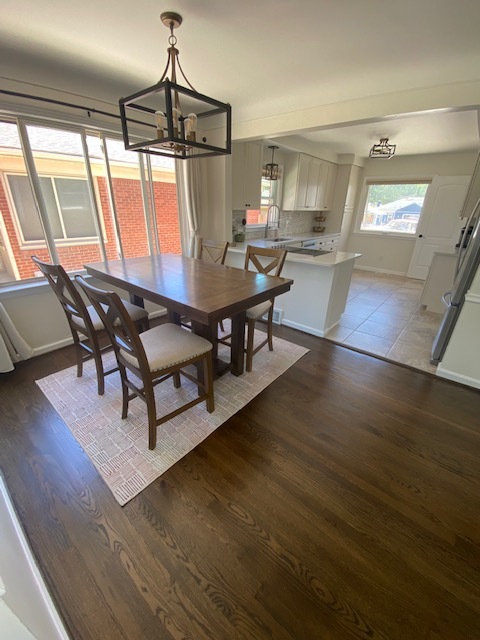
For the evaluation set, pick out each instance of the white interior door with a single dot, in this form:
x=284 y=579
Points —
x=440 y=222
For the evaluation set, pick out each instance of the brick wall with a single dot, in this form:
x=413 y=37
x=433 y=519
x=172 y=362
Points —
x=129 y=204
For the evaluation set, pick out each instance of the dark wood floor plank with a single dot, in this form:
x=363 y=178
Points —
x=341 y=503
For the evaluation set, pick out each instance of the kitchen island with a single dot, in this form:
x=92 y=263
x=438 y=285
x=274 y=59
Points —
x=318 y=296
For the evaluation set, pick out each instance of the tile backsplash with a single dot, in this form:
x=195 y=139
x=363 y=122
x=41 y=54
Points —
x=291 y=223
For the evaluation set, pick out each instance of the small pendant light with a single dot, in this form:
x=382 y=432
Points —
x=271 y=168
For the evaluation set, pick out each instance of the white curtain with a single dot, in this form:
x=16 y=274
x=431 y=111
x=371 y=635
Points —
x=189 y=188
x=13 y=347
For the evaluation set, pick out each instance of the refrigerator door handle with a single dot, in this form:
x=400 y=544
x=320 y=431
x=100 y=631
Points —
x=446 y=298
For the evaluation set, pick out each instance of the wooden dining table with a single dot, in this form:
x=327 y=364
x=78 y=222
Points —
x=206 y=293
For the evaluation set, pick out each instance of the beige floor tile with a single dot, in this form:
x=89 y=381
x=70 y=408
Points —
x=412 y=355
x=350 y=322
x=379 y=329
x=338 y=333
x=402 y=309
x=390 y=319
x=421 y=337
x=369 y=343
x=357 y=310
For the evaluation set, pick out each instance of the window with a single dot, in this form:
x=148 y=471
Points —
x=269 y=190
x=77 y=196
x=68 y=203
x=393 y=207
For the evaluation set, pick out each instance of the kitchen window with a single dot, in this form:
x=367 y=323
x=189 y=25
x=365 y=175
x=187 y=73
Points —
x=269 y=191
x=392 y=208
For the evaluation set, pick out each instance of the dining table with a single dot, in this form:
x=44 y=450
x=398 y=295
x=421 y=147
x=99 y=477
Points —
x=206 y=293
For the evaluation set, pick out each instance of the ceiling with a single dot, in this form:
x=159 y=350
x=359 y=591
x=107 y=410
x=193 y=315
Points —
x=269 y=58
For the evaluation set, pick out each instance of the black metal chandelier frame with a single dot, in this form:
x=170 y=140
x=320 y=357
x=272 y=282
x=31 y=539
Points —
x=177 y=136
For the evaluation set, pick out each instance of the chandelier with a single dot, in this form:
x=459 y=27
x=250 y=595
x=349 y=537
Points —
x=382 y=149
x=183 y=123
x=271 y=171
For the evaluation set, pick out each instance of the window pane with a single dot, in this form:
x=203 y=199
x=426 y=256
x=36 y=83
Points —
x=58 y=157
x=393 y=208
x=27 y=214
x=76 y=207
x=21 y=221
x=269 y=190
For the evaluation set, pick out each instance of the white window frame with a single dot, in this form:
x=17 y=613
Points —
x=367 y=182
x=41 y=244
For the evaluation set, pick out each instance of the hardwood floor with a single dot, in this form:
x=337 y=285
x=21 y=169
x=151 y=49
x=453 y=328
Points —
x=343 y=502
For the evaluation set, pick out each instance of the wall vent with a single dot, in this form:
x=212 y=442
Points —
x=277 y=316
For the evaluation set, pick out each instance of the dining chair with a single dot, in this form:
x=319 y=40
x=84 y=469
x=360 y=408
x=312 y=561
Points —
x=84 y=321
x=269 y=262
x=212 y=251
x=152 y=357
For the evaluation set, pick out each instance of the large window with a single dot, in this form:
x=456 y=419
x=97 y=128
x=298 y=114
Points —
x=393 y=207
x=71 y=195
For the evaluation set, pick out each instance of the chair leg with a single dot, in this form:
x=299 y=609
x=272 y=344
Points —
x=250 y=334
x=208 y=376
x=100 y=374
x=177 y=383
x=152 y=416
x=123 y=377
x=270 y=328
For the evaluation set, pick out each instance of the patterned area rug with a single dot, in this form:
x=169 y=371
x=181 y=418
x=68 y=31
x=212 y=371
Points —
x=118 y=448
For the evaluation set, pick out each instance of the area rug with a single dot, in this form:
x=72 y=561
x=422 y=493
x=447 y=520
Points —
x=118 y=448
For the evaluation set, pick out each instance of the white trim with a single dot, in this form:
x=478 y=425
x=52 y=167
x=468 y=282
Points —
x=41 y=612
x=457 y=377
x=305 y=328
x=386 y=271
x=472 y=297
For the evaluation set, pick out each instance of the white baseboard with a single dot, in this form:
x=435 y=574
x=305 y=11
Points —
x=52 y=346
x=457 y=377
x=387 y=272
x=304 y=328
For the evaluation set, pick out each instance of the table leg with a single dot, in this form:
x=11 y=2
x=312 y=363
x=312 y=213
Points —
x=174 y=317
x=138 y=300
x=238 y=343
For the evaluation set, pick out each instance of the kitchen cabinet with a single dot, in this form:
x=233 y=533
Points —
x=325 y=243
x=308 y=183
x=326 y=187
x=246 y=175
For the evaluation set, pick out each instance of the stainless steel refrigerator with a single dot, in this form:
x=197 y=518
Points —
x=467 y=265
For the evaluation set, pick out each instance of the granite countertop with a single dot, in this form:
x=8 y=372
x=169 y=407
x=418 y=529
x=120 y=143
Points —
x=326 y=260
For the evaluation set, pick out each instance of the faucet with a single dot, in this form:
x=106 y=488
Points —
x=273 y=220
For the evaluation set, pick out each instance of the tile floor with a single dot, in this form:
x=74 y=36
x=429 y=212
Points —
x=384 y=317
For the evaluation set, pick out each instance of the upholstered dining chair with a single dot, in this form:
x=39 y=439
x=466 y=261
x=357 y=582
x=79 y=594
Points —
x=152 y=357
x=270 y=262
x=84 y=321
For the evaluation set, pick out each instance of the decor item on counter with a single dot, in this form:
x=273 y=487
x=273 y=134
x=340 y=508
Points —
x=239 y=234
x=318 y=229
x=118 y=448
x=179 y=116
x=382 y=149
x=271 y=170
x=320 y=218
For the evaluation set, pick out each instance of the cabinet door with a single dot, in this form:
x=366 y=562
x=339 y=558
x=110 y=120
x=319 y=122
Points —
x=302 y=181
x=326 y=186
x=246 y=175
x=253 y=175
x=314 y=174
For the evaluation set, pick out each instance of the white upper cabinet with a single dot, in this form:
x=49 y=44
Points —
x=326 y=187
x=246 y=175
x=308 y=183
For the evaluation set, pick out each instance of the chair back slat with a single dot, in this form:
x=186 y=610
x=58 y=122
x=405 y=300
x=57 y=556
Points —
x=118 y=323
x=265 y=260
x=68 y=296
x=211 y=251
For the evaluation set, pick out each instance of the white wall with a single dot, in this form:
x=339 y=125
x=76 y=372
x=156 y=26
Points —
x=393 y=255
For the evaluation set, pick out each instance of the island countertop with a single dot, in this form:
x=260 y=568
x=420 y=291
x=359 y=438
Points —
x=330 y=259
